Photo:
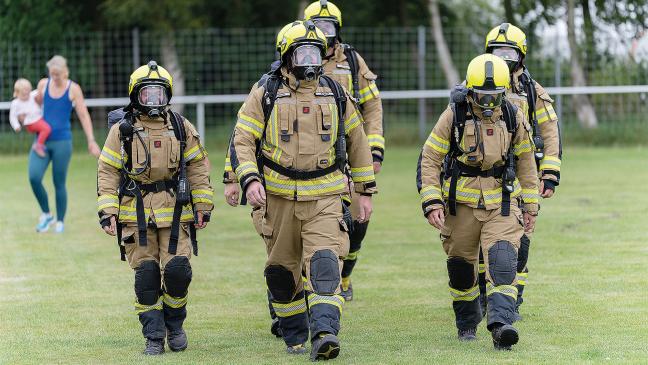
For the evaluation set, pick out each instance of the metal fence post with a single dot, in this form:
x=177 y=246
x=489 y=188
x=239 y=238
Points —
x=200 y=121
x=422 y=128
x=557 y=82
x=136 y=48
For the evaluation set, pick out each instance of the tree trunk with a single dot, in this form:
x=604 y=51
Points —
x=582 y=104
x=300 y=9
x=171 y=62
x=588 y=28
x=445 y=58
x=508 y=11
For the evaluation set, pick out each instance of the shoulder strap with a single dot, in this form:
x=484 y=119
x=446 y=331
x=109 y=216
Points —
x=352 y=58
x=529 y=88
x=177 y=121
x=509 y=112
x=271 y=87
x=340 y=100
x=459 y=111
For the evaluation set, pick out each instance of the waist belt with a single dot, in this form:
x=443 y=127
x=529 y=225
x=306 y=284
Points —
x=459 y=169
x=299 y=174
x=158 y=186
x=475 y=171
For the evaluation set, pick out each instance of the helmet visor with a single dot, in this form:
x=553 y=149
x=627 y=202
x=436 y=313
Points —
x=508 y=54
x=153 y=96
x=307 y=55
x=326 y=26
x=488 y=100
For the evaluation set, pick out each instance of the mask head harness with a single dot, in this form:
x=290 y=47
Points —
x=151 y=94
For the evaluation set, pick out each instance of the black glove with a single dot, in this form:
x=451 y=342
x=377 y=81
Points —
x=105 y=220
x=549 y=185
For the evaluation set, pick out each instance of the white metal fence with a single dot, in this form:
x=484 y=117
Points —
x=215 y=68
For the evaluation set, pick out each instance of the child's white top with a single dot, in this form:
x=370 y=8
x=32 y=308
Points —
x=29 y=107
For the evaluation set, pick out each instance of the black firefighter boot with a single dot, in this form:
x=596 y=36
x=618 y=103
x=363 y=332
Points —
x=504 y=336
x=153 y=330
x=173 y=319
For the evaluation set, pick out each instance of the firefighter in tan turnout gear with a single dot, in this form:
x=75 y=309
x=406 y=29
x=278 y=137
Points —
x=509 y=42
x=346 y=66
x=291 y=141
x=487 y=196
x=232 y=189
x=154 y=192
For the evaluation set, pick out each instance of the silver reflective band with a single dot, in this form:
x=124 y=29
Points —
x=152 y=95
x=307 y=55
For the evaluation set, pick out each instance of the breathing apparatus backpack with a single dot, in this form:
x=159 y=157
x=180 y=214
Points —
x=454 y=169
x=178 y=185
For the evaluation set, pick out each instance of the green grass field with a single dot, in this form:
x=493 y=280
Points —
x=68 y=299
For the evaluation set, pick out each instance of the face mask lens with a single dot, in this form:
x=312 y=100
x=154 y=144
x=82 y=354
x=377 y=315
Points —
x=152 y=96
x=507 y=54
x=327 y=27
x=307 y=56
x=488 y=101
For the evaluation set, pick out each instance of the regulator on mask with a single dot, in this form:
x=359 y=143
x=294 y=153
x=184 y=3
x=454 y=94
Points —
x=307 y=62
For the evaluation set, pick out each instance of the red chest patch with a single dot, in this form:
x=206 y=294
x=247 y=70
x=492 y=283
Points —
x=157 y=144
x=306 y=110
x=489 y=131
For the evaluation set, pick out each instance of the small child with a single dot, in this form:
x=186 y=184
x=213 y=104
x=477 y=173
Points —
x=25 y=110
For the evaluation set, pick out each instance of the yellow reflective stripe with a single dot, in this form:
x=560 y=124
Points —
x=495 y=195
x=328 y=184
x=107 y=201
x=362 y=174
x=336 y=300
x=521 y=278
x=508 y=290
x=547 y=113
x=464 y=295
x=550 y=163
x=352 y=122
x=464 y=195
x=245 y=168
x=166 y=214
x=250 y=124
x=202 y=196
x=376 y=140
x=111 y=157
x=289 y=309
x=352 y=256
x=520 y=148
x=228 y=165
x=194 y=153
x=437 y=143
x=430 y=192
x=141 y=308
x=482 y=268
x=174 y=302
x=530 y=196
x=368 y=93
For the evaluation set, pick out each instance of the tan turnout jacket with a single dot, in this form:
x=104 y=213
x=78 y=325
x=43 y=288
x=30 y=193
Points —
x=164 y=150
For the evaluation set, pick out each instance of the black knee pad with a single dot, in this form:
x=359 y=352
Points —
x=177 y=276
x=358 y=234
x=523 y=253
x=281 y=283
x=502 y=263
x=461 y=273
x=147 y=282
x=325 y=272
